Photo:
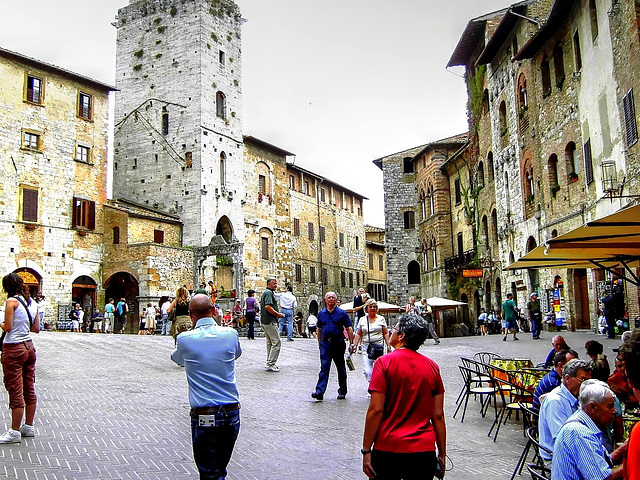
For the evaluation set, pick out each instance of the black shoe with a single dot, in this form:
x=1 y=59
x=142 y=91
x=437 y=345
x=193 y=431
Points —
x=318 y=396
x=516 y=338
x=504 y=339
x=341 y=397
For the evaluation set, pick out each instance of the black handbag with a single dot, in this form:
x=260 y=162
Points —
x=374 y=350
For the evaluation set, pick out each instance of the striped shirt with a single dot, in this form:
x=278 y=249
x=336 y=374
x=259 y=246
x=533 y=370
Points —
x=578 y=453
x=550 y=381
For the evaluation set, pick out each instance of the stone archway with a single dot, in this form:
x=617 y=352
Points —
x=83 y=291
x=32 y=280
x=224 y=228
x=124 y=285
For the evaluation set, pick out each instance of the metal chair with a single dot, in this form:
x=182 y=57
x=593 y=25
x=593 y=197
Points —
x=504 y=389
x=470 y=388
x=539 y=473
x=532 y=435
x=529 y=420
x=485 y=357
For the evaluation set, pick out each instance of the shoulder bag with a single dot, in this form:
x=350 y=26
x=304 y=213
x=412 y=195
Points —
x=374 y=350
x=4 y=334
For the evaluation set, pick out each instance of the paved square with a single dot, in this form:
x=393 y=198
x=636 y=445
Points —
x=116 y=407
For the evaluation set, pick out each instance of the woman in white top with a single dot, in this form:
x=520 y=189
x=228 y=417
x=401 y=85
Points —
x=372 y=328
x=19 y=357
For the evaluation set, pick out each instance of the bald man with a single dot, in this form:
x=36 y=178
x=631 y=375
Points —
x=208 y=353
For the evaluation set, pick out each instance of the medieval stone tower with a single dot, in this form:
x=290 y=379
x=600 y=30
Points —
x=178 y=122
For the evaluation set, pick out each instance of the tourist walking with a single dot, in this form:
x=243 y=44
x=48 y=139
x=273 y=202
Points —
x=269 y=317
x=535 y=315
x=372 y=332
x=405 y=420
x=288 y=303
x=151 y=319
x=312 y=325
x=208 y=353
x=358 y=304
x=424 y=310
x=109 y=311
x=164 y=317
x=182 y=320
x=510 y=310
x=250 y=308
x=19 y=357
x=332 y=322
x=122 y=309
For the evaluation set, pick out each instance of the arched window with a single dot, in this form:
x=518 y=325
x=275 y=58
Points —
x=554 y=233
x=494 y=226
x=431 y=198
x=558 y=65
x=223 y=168
x=434 y=252
x=221 y=105
x=425 y=257
x=502 y=113
x=512 y=258
x=266 y=244
x=413 y=273
x=224 y=228
x=573 y=166
x=409 y=220
x=116 y=235
x=529 y=182
x=264 y=179
x=485 y=230
x=552 y=165
x=523 y=99
x=490 y=166
x=481 y=174
x=531 y=244
x=423 y=205
x=545 y=75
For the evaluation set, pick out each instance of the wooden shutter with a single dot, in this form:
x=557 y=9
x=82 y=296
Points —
x=158 y=236
x=588 y=163
x=296 y=226
x=310 y=227
x=91 y=215
x=75 y=214
x=29 y=205
x=630 y=125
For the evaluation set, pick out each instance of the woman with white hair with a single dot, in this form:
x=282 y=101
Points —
x=372 y=332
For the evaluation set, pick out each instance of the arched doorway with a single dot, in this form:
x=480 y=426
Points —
x=313 y=308
x=31 y=279
x=225 y=229
x=83 y=291
x=413 y=273
x=465 y=309
x=124 y=285
x=581 y=300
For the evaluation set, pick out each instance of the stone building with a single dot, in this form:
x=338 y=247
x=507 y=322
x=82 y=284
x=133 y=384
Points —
x=375 y=261
x=53 y=141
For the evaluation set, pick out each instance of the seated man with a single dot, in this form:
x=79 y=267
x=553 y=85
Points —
x=558 y=345
x=578 y=452
x=552 y=379
x=560 y=404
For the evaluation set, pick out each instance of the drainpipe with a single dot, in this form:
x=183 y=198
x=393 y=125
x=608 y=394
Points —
x=320 y=240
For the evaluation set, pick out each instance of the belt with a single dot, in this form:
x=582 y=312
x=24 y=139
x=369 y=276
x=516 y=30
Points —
x=333 y=338
x=211 y=410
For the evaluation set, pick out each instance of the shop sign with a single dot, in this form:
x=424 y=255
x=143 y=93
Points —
x=472 y=273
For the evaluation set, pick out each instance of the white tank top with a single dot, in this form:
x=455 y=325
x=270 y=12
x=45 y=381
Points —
x=20 y=331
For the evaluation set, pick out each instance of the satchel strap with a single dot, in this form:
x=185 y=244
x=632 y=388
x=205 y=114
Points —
x=26 y=308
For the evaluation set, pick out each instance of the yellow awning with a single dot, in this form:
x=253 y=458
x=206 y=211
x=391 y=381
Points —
x=610 y=242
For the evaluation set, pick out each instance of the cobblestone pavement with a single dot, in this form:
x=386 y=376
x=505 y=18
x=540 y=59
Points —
x=116 y=407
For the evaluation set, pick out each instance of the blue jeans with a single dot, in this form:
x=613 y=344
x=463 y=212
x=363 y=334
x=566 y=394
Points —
x=286 y=320
x=250 y=317
x=213 y=445
x=332 y=351
x=166 y=325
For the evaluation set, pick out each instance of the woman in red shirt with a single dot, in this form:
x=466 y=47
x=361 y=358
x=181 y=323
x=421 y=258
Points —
x=405 y=419
x=630 y=352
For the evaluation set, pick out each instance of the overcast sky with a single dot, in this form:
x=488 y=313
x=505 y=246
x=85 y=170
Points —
x=337 y=82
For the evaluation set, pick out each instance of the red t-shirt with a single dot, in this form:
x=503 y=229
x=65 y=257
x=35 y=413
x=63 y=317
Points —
x=632 y=460
x=409 y=381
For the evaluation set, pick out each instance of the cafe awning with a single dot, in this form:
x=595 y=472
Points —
x=608 y=243
x=438 y=303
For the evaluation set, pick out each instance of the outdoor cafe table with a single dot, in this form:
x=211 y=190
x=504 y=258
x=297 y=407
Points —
x=527 y=379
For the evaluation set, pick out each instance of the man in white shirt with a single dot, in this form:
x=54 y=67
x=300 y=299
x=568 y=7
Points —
x=288 y=303
x=164 y=318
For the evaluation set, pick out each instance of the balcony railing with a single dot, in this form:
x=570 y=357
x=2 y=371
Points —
x=462 y=260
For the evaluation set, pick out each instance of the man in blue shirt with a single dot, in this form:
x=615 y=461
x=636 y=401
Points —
x=552 y=379
x=331 y=324
x=208 y=353
x=559 y=404
x=578 y=452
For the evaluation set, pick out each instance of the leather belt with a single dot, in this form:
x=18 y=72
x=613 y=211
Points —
x=211 y=410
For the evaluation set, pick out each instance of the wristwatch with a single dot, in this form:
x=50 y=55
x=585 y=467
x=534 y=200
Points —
x=365 y=452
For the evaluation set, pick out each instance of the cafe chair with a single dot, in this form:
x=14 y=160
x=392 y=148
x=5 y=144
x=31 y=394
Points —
x=529 y=420
x=470 y=388
x=532 y=435
x=503 y=389
x=539 y=473
x=485 y=357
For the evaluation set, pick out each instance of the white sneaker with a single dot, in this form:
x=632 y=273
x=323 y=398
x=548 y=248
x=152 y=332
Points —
x=10 y=436
x=273 y=368
x=27 y=430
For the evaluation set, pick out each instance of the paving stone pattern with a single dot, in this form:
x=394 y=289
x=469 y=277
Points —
x=116 y=407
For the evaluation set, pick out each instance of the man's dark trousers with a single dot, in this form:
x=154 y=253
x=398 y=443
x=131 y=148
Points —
x=213 y=445
x=332 y=348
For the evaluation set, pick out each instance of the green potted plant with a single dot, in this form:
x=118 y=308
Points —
x=554 y=189
x=573 y=177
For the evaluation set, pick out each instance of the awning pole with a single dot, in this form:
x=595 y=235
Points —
x=633 y=279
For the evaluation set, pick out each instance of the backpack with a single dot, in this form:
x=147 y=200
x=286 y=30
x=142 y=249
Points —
x=71 y=314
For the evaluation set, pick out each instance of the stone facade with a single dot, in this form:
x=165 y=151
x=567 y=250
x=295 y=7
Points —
x=375 y=260
x=53 y=141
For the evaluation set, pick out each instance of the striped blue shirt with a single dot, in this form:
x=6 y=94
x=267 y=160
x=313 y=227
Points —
x=550 y=381
x=578 y=453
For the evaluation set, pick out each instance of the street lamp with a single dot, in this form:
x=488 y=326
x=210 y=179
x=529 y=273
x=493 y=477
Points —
x=609 y=177
x=480 y=292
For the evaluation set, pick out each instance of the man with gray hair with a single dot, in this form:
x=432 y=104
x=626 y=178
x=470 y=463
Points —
x=579 y=452
x=560 y=404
